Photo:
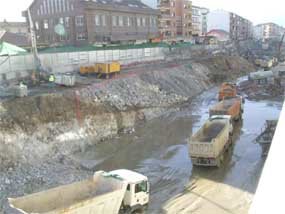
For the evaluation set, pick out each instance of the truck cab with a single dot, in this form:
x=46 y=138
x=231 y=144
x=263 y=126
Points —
x=227 y=90
x=138 y=189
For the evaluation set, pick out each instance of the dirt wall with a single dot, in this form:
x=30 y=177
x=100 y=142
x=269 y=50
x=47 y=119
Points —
x=51 y=125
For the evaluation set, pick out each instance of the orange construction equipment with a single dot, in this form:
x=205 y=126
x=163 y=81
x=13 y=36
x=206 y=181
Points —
x=227 y=90
x=232 y=107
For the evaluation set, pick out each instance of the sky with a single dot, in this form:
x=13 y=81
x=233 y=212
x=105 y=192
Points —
x=255 y=10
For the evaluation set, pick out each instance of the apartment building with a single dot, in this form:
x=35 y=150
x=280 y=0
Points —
x=20 y=28
x=175 y=20
x=81 y=22
x=238 y=27
x=268 y=31
x=199 y=20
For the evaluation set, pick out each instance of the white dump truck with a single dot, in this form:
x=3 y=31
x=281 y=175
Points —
x=208 y=145
x=120 y=191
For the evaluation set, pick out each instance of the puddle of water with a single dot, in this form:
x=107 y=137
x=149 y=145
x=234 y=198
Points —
x=158 y=149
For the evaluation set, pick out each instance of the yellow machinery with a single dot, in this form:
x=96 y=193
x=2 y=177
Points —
x=104 y=70
x=108 y=69
x=85 y=70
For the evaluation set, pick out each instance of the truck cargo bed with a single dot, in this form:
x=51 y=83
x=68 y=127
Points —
x=82 y=197
x=211 y=132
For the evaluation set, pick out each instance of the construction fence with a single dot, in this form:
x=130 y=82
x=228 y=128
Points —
x=12 y=67
x=69 y=60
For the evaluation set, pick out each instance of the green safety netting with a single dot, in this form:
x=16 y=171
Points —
x=62 y=49
x=7 y=49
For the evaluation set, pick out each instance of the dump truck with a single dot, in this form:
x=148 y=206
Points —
x=232 y=106
x=208 y=145
x=120 y=191
x=227 y=90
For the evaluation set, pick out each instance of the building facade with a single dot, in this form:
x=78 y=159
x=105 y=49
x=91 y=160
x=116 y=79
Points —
x=199 y=20
x=20 y=28
x=175 y=20
x=238 y=27
x=268 y=31
x=81 y=22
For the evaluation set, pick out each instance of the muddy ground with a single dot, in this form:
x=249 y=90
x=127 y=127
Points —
x=158 y=149
x=51 y=139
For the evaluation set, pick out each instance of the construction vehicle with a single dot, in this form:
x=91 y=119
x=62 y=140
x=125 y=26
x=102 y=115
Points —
x=208 y=145
x=227 y=90
x=113 y=192
x=266 y=64
x=86 y=70
x=232 y=107
x=106 y=70
x=102 y=70
x=266 y=136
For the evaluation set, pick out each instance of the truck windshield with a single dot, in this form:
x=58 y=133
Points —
x=141 y=187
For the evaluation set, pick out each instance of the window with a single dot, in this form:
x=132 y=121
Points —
x=44 y=7
x=67 y=21
x=128 y=187
x=128 y=21
x=114 y=20
x=67 y=5
x=79 y=20
x=58 y=5
x=61 y=21
x=103 y=20
x=121 y=23
x=138 y=21
x=41 y=10
x=51 y=22
x=45 y=24
x=141 y=187
x=55 y=6
x=81 y=36
x=97 y=20
x=48 y=7
x=64 y=38
x=37 y=25
x=63 y=5
x=51 y=6
x=143 y=22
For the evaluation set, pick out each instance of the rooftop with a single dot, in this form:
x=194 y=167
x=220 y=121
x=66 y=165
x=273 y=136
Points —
x=129 y=3
x=16 y=24
x=130 y=176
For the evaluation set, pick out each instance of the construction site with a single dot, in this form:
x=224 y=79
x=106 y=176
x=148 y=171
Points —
x=141 y=106
x=138 y=117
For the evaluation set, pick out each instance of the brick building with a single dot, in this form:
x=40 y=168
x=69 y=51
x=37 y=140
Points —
x=175 y=20
x=81 y=22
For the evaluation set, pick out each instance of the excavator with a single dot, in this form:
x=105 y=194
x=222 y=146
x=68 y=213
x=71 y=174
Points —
x=38 y=74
